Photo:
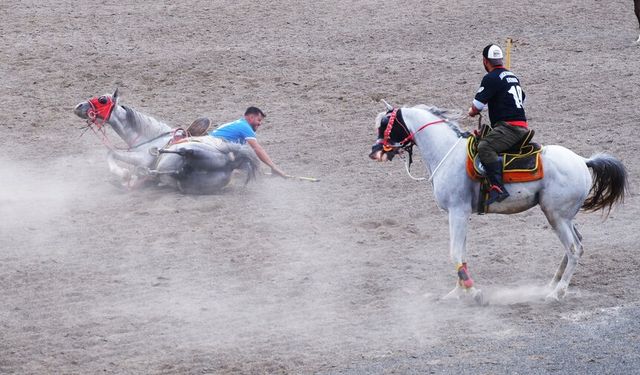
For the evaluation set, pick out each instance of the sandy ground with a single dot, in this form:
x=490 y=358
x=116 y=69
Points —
x=341 y=276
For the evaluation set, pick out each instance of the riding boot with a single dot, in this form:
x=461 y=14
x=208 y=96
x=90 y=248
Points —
x=497 y=191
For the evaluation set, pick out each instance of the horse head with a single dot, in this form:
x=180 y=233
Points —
x=98 y=109
x=393 y=134
x=132 y=126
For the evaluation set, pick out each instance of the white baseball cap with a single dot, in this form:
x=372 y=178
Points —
x=492 y=52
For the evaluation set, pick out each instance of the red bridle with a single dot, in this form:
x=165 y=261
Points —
x=409 y=138
x=100 y=109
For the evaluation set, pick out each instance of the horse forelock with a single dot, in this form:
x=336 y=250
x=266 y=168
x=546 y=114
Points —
x=379 y=120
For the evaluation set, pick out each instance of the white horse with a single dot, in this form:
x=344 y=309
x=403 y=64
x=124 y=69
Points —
x=198 y=165
x=561 y=193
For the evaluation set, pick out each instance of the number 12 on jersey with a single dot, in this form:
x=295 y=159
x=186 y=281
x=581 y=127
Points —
x=516 y=91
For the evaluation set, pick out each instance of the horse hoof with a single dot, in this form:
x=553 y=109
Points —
x=552 y=298
x=555 y=296
x=478 y=297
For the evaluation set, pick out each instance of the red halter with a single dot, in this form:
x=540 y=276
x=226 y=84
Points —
x=409 y=138
x=100 y=110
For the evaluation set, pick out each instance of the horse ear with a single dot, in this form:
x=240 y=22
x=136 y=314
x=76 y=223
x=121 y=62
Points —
x=115 y=95
x=389 y=106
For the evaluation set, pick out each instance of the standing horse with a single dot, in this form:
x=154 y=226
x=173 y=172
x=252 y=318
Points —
x=561 y=193
x=197 y=165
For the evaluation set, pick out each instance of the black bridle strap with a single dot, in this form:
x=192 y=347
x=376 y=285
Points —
x=410 y=136
x=389 y=128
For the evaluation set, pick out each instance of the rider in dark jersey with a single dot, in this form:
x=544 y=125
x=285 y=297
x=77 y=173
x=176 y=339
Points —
x=500 y=90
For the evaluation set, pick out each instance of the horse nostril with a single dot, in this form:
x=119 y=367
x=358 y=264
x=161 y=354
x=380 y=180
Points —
x=78 y=110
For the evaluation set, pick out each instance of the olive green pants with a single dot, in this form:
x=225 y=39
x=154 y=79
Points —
x=500 y=139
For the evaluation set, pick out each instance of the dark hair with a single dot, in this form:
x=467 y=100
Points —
x=495 y=62
x=254 y=111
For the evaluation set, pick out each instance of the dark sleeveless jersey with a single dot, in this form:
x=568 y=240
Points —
x=500 y=89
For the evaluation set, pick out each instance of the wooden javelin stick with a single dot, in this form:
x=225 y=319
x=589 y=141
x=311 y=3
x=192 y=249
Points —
x=508 y=53
x=310 y=179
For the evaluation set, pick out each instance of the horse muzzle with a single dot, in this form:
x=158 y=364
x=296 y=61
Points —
x=81 y=110
x=379 y=156
x=378 y=153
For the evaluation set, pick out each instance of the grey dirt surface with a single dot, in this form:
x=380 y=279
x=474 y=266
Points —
x=343 y=276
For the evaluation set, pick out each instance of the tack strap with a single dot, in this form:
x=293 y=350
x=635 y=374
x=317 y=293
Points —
x=411 y=136
x=408 y=138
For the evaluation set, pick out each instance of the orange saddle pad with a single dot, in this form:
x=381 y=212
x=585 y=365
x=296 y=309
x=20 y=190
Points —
x=523 y=166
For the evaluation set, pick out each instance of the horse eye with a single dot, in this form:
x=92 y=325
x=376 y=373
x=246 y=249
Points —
x=103 y=100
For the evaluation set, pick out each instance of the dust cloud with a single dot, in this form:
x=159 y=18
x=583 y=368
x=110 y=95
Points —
x=36 y=199
x=297 y=281
x=527 y=293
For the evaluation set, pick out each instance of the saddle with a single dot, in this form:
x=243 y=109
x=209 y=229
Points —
x=197 y=128
x=521 y=163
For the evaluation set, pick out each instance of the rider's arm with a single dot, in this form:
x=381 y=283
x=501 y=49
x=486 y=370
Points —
x=474 y=110
x=262 y=155
x=484 y=93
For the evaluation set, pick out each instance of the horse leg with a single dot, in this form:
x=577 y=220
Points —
x=559 y=272
x=139 y=158
x=571 y=240
x=563 y=264
x=123 y=174
x=458 y=225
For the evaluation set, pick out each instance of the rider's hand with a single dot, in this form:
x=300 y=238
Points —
x=472 y=111
x=276 y=170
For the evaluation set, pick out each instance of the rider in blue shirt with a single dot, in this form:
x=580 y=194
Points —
x=243 y=131
x=237 y=131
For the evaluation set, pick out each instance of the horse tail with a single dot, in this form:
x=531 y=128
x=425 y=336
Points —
x=609 y=182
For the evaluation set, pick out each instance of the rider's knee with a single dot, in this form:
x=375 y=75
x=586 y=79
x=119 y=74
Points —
x=486 y=152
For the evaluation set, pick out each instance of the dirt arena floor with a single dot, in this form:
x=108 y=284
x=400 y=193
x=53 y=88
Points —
x=337 y=277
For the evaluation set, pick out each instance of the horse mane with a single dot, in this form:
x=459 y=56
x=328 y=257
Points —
x=141 y=122
x=451 y=116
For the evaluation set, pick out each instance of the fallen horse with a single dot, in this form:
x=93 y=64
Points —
x=181 y=158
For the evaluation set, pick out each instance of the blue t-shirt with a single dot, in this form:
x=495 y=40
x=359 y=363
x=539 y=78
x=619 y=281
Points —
x=237 y=131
